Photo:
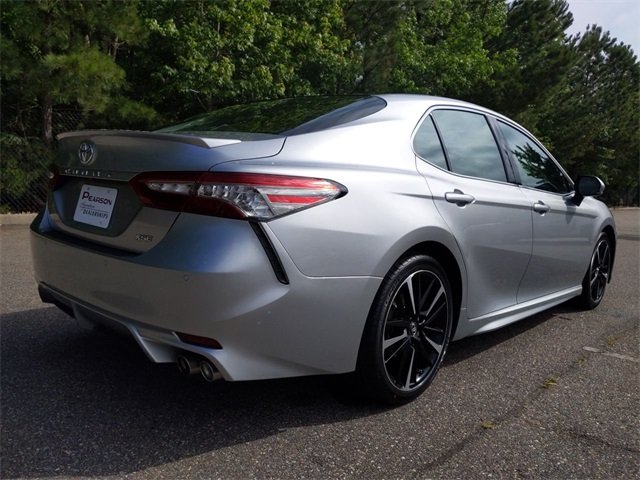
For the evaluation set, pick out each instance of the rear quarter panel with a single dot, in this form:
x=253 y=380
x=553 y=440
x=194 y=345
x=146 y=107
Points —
x=388 y=208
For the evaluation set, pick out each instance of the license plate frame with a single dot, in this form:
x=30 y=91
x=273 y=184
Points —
x=95 y=205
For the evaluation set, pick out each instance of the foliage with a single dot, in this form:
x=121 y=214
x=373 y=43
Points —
x=592 y=119
x=534 y=34
x=431 y=47
x=201 y=55
x=61 y=53
x=488 y=425
x=23 y=179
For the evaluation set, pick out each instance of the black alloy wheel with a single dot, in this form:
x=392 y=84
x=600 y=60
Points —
x=408 y=331
x=595 y=281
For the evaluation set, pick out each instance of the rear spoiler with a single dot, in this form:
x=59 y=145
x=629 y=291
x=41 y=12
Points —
x=202 y=142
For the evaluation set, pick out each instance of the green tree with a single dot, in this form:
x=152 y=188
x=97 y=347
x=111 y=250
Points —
x=593 y=120
x=63 y=52
x=204 y=54
x=432 y=47
x=534 y=35
x=444 y=51
x=315 y=48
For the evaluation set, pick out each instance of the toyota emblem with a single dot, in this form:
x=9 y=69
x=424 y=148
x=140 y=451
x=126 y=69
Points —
x=86 y=153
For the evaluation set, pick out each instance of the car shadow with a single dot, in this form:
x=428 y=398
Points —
x=87 y=403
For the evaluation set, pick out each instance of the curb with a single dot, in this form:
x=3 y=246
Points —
x=17 y=218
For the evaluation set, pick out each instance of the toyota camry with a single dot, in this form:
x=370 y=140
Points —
x=318 y=235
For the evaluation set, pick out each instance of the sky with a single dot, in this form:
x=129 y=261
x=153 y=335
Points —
x=620 y=17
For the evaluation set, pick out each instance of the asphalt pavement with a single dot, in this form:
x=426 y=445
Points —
x=556 y=395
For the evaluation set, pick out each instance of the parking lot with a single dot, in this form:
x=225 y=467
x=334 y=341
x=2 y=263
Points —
x=554 y=396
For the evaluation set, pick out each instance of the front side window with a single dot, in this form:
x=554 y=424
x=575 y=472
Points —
x=470 y=145
x=536 y=168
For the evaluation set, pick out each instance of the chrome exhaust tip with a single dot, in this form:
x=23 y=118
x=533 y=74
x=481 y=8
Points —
x=209 y=372
x=188 y=365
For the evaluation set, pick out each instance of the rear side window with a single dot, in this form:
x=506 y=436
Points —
x=427 y=144
x=470 y=145
x=536 y=168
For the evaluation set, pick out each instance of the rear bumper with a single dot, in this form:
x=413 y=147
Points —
x=210 y=277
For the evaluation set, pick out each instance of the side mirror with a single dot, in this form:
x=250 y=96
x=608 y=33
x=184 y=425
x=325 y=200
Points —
x=587 y=186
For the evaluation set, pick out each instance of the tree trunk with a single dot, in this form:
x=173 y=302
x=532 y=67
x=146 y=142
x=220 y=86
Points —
x=47 y=119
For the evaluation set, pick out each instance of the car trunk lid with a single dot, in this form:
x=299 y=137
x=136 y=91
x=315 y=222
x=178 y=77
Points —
x=93 y=199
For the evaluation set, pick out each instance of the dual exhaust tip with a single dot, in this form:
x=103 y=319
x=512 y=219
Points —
x=191 y=365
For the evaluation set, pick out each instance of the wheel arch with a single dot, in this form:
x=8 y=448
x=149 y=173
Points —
x=452 y=267
x=447 y=259
x=439 y=253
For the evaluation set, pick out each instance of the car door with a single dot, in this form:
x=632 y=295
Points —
x=562 y=231
x=489 y=216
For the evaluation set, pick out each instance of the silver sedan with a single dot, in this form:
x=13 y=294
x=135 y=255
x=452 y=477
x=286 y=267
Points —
x=318 y=235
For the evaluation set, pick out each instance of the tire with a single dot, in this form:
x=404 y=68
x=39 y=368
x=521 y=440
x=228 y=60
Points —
x=407 y=332
x=595 y=280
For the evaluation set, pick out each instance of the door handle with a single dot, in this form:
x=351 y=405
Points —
x=459 y=198
x=541 y=207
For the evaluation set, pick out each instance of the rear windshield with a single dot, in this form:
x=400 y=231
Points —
x=290 y=116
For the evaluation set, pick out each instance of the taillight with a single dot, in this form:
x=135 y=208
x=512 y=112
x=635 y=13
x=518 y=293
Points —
x=234 y=195
x=199 y=341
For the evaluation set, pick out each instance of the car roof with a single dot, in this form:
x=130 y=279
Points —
x=402 y=103
x=430 y=100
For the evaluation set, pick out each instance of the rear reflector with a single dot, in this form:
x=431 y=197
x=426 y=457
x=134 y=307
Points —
x=234 y=195
x=199 y=341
